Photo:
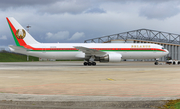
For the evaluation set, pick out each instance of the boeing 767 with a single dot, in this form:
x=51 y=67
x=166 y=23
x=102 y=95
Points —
x=89 y=52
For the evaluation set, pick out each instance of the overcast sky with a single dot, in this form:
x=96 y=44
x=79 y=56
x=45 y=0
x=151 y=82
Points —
x=77 y=20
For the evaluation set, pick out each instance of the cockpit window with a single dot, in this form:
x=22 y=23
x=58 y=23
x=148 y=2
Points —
x=162 y=47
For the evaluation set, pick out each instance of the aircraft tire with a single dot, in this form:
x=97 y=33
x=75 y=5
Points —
x=93 y=63
x=85 y=63
x=89 y=63
x=156 y=63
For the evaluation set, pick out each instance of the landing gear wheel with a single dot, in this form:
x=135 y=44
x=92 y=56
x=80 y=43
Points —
x=156 y=63
x=94 y=63
x=89 y=63
x=85 y=63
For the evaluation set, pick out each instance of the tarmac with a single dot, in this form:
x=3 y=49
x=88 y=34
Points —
x=139 y=84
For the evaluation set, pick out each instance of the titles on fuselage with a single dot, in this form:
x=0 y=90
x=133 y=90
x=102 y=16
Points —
x=140 y=46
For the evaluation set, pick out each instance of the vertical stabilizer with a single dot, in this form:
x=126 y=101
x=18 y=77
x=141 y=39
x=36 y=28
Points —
x=20 y=35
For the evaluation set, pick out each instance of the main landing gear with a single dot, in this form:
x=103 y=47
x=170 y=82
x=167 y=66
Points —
x=89 y=63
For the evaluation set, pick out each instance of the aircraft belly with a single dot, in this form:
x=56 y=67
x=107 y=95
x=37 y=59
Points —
x=56 y=55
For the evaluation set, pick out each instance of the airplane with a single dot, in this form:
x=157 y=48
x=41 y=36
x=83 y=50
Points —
x=89 y=52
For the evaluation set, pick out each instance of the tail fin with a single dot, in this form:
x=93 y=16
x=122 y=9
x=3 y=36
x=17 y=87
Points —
x=21 y=36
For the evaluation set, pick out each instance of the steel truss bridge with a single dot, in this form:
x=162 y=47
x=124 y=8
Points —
x=140 y=34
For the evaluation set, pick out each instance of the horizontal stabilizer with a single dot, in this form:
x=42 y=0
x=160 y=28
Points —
x=16 y=48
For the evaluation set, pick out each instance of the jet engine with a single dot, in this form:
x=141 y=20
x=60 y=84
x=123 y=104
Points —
x=110 y=58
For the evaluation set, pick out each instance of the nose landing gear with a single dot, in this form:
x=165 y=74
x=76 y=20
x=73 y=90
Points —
x=156 y=62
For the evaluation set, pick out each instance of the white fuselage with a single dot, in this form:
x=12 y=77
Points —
x=127 y=50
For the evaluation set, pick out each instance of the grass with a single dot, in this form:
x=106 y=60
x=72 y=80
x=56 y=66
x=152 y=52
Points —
x=172 y=104
x=11 y=57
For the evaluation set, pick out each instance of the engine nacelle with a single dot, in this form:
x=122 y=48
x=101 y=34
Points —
x=111 y=58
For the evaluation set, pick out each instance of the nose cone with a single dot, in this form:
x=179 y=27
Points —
x=167 y=52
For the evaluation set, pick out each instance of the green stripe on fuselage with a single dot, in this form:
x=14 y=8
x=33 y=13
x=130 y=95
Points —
x=99 y=50
x=134 y=50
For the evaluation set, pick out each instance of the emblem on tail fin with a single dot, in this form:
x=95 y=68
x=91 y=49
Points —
x=20 y=33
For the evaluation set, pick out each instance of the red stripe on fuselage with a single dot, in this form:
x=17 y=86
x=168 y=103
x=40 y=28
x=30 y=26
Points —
x=21 y=41
x=128 y=49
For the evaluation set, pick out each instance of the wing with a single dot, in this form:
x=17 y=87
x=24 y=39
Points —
x=89 y=51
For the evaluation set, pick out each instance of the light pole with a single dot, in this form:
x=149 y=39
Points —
x=28 y=32
x=28 y=28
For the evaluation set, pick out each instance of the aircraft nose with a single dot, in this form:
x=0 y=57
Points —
x=167 y=52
